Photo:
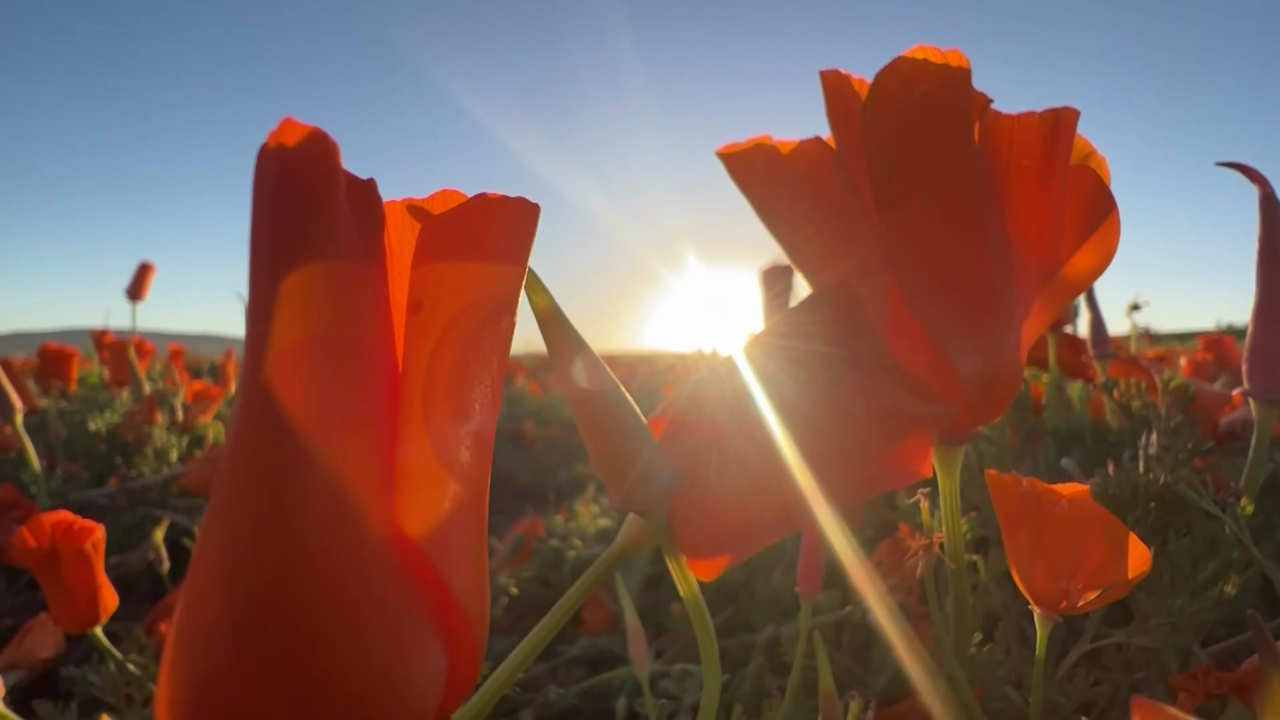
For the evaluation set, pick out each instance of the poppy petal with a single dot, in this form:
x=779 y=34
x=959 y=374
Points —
x=464 y=287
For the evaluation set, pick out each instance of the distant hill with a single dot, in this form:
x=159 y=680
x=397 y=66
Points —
x=25 y=343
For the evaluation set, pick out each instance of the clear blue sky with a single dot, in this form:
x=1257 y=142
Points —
x=128 y=131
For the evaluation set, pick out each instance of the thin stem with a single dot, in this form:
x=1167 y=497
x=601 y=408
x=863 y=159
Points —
x=33 y=460
x=1044 y=627
x=704 y=629
x=634 y=535
x=100 y=640
x=1265 y=413
x=947 y=460
x=797 y=665
x=650 y=705
x=133 y=319
x=7 y=714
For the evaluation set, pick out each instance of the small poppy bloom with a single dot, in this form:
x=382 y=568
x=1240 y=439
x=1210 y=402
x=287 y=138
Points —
x=1198 y=365
x=101 y=341
x=21 y=386
x=57 y=366
x=119 y=372
x=66 y=554
x=140 y=283
x=38 y=643
x=203 y=400
x=1101 y=563
x=1074 y=359
x=176 y=360
x=1128 y=367
x=376 y=339
x=1226 y=356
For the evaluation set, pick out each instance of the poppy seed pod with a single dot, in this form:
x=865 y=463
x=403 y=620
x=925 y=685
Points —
x=1261 y=365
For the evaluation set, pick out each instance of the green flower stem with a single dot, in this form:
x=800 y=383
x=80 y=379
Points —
x=100 y=640
x=797 y=666
x=1081 y=647
x=704 y=629
x=1044 y=627
x=947 y=460
x=33 y=460
x=7 y=714
x=1265 y=413
x=634 y=535
x=955 y=674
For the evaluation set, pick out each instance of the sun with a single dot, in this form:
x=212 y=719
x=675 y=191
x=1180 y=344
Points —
x=706 y=308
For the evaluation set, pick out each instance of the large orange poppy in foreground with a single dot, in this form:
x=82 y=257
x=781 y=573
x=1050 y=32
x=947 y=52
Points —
x=341 y=569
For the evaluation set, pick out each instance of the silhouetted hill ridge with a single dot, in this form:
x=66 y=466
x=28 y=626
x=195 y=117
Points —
x=203 y=344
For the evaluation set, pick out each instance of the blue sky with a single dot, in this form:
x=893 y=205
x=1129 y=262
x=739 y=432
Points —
x=128 y=130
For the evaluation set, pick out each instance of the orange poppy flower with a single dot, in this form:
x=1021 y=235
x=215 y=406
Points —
x=101 y=340
x=21 y=386
x=140 y=283
x=896 y=206
x=1198 y=365
x=177 y=361
x=227 y=371
x=377 y=336
x=597 y=616
x=37 y=644
x=66 y=553
x=1144 y=708
x=1101 y=563
x=518 y=542
x=924 y=302
x=1074 y=360
x=203 y=400
x=57 y=366
x=119 y=374
x=1199 y=684
x=1224 y=351
x=1096 y=405
x=160 y=618
x=1128 y=367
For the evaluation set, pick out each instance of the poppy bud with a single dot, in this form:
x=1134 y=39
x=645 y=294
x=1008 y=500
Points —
x=1261 y=364
x=140 y=285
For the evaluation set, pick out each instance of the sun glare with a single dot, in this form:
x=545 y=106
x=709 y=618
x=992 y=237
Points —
x=706 y=309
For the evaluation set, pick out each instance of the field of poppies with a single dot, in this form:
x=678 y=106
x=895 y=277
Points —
x=937 y=486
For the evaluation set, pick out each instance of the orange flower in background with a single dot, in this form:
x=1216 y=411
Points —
x=57 y=366
x=1068 y=555
x=1199 y=684
x=160 y=618
x=377 y=337
x=140 y=283
x=203 y=401
x=177 y=361
x=10 y=443
x=101 y=341
x=227 y=371
x=598 y=615
x=897 y=206
x=1199 y=365
x=1074 y=360
x=66 y=554
x=119 y=373
x=18 y=378
x=1127 y=367
x=518 y=543
x=37 y=644
x=1224 y=351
